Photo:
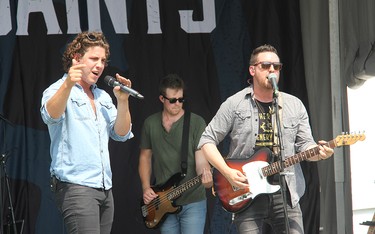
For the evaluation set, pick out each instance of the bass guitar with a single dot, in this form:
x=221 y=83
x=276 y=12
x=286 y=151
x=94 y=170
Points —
x=155 y=212
x=258 y=171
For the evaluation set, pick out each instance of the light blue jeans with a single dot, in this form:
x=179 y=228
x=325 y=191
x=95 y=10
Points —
x=190 y=220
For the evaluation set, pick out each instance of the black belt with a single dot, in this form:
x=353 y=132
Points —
x=55 y=181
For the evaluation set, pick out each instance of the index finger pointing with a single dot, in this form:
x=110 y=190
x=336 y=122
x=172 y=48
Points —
x=76 y=64
x=79 y=66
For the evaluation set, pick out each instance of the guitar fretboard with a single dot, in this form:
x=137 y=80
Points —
x=176 y=192
x=275 y=167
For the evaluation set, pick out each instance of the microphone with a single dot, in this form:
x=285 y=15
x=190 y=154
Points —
x=109 y=80
x=273 y=78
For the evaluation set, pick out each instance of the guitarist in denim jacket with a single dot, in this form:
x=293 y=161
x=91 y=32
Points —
x=248 y=117
x=160 y=156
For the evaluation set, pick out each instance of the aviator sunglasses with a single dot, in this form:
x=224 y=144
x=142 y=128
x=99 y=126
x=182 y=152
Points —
x=267 y=65
x=174 y=100
x=93 y=38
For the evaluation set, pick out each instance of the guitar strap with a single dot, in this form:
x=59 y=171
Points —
x=185 y=142
x=276 y=145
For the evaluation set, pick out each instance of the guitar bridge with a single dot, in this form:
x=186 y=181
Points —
x=239 y=199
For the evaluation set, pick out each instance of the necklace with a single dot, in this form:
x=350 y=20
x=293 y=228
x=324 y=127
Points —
x=262 y=105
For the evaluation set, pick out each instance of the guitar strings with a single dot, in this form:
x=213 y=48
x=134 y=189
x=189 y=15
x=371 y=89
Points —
x=156 y=202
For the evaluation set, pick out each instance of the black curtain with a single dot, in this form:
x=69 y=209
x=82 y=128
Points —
x=213 y=65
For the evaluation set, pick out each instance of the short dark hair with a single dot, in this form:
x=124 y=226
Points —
x=81 y=43
x=261 y=49
x=171 y=81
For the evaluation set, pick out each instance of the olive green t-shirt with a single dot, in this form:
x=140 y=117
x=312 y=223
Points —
x=166 y=152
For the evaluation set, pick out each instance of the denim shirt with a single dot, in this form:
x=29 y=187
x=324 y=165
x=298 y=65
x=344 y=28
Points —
x=238 y=117
x=79 y=138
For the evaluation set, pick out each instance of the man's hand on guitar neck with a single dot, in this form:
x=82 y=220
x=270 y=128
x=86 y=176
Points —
x=148 y=195
x=324 y=151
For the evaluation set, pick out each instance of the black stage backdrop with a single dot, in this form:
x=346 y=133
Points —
x=148 y=39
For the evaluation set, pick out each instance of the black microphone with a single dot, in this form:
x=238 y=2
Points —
x=273 y=78
x=109 y=80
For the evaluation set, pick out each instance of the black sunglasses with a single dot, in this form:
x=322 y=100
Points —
x=174 y=100
x=91 y=37
x=267 y=65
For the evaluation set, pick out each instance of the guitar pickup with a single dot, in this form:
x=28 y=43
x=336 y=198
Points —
x=241 y=198
x=144 y=210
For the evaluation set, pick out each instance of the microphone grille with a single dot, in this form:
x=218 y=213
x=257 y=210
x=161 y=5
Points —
x=272 y=76
x=109 y=80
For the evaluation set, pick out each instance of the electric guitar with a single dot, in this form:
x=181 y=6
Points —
x=155 y=212
x=258 y=171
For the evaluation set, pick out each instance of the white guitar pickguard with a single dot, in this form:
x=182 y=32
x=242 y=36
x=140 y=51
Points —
x=257 y=182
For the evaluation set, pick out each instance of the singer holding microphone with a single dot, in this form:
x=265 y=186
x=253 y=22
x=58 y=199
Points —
x=81 y=118
x=248 y=118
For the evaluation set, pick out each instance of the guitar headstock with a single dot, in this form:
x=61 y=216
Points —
x=349 y=139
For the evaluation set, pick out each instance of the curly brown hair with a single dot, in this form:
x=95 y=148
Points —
x=80 y=44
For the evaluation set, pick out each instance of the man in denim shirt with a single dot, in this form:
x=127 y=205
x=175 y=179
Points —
x=81 y=118
x=249 y=118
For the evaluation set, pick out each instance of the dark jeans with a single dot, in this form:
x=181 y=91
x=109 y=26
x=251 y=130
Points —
x=85 y=210
x=268 y=209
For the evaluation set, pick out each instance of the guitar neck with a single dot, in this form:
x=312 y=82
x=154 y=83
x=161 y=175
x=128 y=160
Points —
x=176 y=192
x=275 y=167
